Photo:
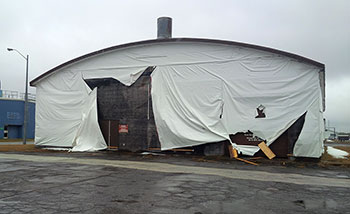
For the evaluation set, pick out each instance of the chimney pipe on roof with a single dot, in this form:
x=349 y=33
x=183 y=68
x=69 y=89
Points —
x=164 y=28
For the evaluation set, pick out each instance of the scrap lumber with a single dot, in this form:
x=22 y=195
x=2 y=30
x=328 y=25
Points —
x=182 y=150
x=154 y=149
x=232 y=151
x=234 y=154
x=112 y=147
x=246 y=161
x=255 y=158
x=266 y=150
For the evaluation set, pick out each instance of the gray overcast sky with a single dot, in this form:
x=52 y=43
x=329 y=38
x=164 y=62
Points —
x=55 y=31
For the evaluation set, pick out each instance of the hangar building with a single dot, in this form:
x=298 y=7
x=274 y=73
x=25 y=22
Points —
x=183 y=92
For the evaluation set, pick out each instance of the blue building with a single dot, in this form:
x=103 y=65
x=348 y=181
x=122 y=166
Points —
x=12 y=115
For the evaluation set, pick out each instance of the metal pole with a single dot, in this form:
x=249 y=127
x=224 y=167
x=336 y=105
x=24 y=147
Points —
x=26 y=106
x=148 y=102
x=25 y=119
x=109 y=134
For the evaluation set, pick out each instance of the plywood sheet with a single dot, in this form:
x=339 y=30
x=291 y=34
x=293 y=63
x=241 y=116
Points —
x=267 y=151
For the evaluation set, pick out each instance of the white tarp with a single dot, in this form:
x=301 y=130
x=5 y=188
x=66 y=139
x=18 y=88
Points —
x=194 y=104
x=87 y=139
x=337 y=153
x=201 y=92
x=67 y=114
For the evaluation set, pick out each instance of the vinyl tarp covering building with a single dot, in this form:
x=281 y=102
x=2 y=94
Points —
x=201 y=92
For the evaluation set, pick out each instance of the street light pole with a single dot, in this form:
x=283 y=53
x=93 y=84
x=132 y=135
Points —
x=25 y=122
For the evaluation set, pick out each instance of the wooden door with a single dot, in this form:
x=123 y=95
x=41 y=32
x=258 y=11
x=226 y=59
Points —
x=110 y=133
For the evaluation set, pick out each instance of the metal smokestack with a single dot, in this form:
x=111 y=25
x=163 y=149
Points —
x=164 y=28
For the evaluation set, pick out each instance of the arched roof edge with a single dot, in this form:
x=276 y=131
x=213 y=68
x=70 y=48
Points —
x=157 y=41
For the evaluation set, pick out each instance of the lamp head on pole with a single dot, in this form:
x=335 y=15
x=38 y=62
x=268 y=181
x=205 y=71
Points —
x=12 y=49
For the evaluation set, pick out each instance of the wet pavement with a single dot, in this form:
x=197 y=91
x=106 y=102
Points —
x=112 y=183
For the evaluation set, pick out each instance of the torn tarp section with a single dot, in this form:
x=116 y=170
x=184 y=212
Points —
x=206 y=102
x=89 y=137
x=68 y=105
x=125 y=75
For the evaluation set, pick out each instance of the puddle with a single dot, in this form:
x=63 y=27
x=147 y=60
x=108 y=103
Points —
x=342 y=176
x=9 y=202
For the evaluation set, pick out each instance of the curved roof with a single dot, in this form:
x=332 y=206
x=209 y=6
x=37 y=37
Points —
x=157 y=41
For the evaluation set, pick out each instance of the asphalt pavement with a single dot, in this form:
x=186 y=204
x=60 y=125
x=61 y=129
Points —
x=108 y=182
